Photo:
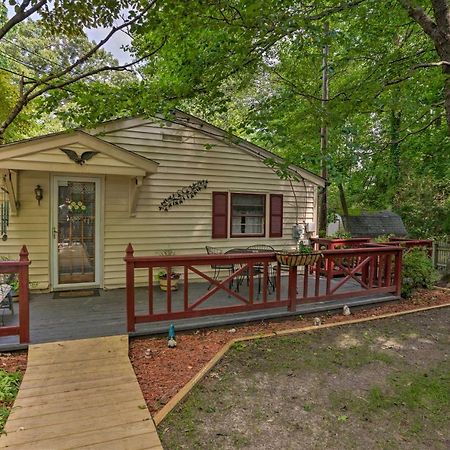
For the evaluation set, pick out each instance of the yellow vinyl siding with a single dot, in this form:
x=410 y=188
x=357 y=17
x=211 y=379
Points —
x=186 y=228
x=31 y=227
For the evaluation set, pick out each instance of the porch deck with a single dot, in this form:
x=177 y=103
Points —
x=105 y=315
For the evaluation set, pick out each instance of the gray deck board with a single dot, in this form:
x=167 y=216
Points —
x=105 y=315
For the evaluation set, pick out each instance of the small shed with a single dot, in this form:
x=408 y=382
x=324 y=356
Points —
x=375 y=224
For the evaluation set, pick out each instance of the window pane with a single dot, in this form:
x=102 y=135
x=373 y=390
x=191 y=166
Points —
x=247 y=214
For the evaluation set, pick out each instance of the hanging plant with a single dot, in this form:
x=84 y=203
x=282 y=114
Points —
x=183 y=194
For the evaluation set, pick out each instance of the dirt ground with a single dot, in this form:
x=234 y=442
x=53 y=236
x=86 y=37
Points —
x=162 y=372
x=378 y=385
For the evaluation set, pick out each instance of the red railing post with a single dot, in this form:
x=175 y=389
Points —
x=24 y=298
x=130 y=288
x=292 y=290
x=398 y=272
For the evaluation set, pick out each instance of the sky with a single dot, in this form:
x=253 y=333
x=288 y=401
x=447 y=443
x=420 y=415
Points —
x=114 y=44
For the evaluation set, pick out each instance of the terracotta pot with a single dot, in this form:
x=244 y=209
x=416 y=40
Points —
x=298 y=259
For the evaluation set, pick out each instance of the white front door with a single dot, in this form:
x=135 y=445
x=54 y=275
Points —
x=75 y=232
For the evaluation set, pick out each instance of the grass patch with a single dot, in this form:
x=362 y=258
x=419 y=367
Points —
x=9 y=386
x=414 y=400
x=278 y=354
x=348 y=385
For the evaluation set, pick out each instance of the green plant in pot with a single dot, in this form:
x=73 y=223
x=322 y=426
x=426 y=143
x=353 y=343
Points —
x=162 y=277
x=162 y=274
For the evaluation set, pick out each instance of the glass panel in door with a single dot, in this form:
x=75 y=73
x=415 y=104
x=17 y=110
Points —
x=76 y=232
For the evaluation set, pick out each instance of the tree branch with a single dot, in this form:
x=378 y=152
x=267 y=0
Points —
x=96 y=47
x=95 y=72
x=419 y=130
x=21 y=15
x=335 y=9
x=421 y=17
x=436 y=64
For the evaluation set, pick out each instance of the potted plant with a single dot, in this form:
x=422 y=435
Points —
x=162 y=277
x=162 y=274
x=304 y=256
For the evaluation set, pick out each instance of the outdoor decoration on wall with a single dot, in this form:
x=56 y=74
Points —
x=183 y=194
x=80 y=160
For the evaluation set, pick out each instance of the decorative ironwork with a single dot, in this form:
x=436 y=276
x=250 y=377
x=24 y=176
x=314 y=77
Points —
x=183 y=194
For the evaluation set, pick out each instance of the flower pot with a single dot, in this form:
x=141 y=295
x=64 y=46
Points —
x=298 y=259
x=173 y=285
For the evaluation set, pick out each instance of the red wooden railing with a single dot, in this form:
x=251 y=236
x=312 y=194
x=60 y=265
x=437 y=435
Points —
x=21 y=268
x=366 y=271
x=244 y=263
x=321 y=244
x=373 y=270
x=426 y=244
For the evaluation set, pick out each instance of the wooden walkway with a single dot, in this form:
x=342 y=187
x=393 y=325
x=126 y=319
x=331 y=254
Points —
x=80 y=394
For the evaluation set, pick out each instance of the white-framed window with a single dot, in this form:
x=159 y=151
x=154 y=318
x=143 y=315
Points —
x=248 y=213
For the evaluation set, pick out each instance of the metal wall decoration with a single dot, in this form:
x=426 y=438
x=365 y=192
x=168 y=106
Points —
x=183 y=194
x=80 y=160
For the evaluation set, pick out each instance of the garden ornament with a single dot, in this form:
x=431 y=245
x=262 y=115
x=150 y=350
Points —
x=172 y=343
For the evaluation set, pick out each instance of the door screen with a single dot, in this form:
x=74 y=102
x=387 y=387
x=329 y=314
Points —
x=76 y=232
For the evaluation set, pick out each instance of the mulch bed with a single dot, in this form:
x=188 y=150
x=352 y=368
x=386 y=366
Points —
x=14 y=361
x=162 y=372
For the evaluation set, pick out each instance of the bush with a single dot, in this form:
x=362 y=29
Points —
x=418 y=271
x=9 y=386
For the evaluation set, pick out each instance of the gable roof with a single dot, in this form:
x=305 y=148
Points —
x=187 y=120
x=19 y=155
x=190 y=121
x=92 y=138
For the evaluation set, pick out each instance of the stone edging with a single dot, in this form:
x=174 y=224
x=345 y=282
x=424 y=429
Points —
x=182 y=393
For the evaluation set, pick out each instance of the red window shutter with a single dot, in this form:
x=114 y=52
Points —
x=276 y=215
x=220 y=215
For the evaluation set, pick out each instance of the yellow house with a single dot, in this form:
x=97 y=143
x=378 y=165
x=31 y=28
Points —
x=77 y=198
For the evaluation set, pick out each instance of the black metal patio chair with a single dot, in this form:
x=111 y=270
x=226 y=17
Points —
x=264 y=248
x=218 y=267
x=6 y=301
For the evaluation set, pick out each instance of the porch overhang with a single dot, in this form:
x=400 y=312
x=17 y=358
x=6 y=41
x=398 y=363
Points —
x=47 y=154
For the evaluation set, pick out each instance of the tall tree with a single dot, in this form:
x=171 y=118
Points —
x=437 y=28
x=61 y=18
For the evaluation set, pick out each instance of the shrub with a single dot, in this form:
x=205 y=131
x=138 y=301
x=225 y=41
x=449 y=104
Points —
x=418 y=271
x=9 y=386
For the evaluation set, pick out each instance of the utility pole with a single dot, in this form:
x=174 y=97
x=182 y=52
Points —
x=324 y=132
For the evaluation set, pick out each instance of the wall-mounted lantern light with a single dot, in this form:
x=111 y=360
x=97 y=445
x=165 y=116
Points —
x=39 y=193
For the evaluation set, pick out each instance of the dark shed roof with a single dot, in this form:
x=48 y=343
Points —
x=375 y=224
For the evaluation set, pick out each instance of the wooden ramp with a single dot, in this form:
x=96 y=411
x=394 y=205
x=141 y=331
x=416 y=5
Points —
x=80 y=394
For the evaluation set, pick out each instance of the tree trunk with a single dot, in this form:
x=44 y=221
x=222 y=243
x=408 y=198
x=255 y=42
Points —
x=324 y=135
x=396 y=116
x=438 y=30
x=447 y=98
x=343 y=199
